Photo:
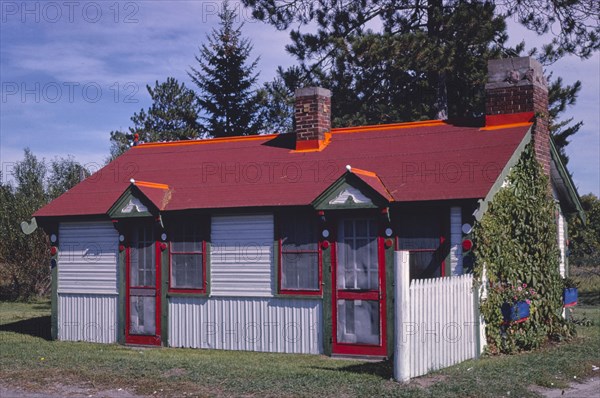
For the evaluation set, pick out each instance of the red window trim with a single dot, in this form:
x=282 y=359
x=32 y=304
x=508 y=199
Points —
x=204 y=276
x=298 y=292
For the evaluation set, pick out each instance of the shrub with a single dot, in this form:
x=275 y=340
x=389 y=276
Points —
x=516 y=240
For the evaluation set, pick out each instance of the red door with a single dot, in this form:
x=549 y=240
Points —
x=143 y=288
x=359 y=323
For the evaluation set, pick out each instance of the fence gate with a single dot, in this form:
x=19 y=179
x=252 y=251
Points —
x=437 y=322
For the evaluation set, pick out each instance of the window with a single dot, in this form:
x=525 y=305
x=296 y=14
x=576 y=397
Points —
x=421 y=233
x=187 y=258
x=299 y=271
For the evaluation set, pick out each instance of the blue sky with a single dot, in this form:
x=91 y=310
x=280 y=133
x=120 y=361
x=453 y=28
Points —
x=72 y=71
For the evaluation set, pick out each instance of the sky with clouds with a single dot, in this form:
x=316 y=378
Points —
x=72 y=71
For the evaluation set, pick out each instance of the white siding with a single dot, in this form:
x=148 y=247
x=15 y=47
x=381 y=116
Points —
x=87 y=317
x=562 y=244
x=241 y=256
x=87 y=259
x=249 y=324
x=456 y=241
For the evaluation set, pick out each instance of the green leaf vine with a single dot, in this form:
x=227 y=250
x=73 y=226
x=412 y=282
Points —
x=516 y=243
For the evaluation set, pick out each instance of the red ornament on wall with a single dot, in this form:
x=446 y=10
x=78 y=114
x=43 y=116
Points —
x=388 y=243
x=121 y=248
x=467 y=245
x=325 y=244
x=53 y=250
x=163 y=247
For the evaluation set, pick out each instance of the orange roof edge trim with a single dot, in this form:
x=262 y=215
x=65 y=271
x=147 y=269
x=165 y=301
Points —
x=505 y=126
x=374 y=175
x=207 y=141
x=363 y=172
x=147 y=184
x=424 y=123
x=322 y=143
x=312 y=145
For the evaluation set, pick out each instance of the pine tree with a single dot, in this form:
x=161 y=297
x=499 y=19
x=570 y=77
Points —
x=172 y=116
x=226 y=78
x=429 y=58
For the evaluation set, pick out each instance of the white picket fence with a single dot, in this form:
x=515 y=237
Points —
x=437 y=322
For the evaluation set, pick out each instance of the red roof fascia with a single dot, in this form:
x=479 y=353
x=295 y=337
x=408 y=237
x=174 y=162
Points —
x=509 y=119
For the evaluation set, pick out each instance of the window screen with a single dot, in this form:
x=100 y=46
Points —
x=187 y=256
x=420 y=233
x=358 y=264
x=299 y=251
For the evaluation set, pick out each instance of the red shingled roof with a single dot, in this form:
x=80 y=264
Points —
x=412 y=162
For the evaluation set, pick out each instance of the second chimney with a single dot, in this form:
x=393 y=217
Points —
x=517 y=85
x=312 y=115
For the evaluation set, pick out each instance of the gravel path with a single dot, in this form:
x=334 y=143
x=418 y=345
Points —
x=64 y=391
x=588 y=389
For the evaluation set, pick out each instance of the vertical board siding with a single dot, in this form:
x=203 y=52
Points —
x=248 y=324
x=442 y=323
x=241 y=256
x=87 y=259
x=87 y=317
x=562 y=244
x=456 y=241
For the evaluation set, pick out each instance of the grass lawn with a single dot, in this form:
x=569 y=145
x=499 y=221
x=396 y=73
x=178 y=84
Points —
x=29 y=360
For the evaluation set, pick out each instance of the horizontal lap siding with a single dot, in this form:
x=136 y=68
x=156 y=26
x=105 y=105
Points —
x=248 y=324
x=87 y=317
x=456 y=266
x=87 y=261
x=241 y=257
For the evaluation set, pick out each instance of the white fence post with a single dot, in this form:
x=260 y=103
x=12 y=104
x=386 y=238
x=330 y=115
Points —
x=402 y=316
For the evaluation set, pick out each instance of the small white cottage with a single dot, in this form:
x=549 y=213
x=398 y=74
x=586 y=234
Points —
x=284 y=243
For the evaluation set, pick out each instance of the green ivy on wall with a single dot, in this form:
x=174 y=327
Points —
x=516 y=242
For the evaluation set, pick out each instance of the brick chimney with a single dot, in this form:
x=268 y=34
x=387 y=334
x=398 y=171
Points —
x=517 y=86
x=313 y=117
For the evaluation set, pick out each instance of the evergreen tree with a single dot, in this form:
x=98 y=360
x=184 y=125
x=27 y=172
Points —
x=429 y=58
x=172 y=116
x=226 y=78
x=585 y=237
x=559 y=97
x=278 y=100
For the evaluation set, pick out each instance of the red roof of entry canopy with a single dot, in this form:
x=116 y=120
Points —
x=414 y=162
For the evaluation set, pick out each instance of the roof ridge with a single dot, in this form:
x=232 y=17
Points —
x=389 y=126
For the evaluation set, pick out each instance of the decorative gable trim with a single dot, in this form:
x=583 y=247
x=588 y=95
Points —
x=349 y=192
x=132 y=203
x=350 y=195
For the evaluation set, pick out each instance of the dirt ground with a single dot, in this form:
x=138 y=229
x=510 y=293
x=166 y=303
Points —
x=58 y=390
x=588 y=389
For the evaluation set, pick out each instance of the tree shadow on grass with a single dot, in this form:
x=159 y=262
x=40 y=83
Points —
x=382 y=369
x=589 y=298
x=36 y=327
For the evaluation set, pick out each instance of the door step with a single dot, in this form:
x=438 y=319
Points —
x=365 y=358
